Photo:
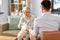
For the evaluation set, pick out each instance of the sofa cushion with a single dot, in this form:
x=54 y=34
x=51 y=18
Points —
x=13 y=22
x=11 y=32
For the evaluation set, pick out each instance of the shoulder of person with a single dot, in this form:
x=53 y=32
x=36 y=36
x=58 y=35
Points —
x=33 y=16
x=38 y=17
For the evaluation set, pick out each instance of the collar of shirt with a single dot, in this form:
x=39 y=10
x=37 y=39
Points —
x=46 y=13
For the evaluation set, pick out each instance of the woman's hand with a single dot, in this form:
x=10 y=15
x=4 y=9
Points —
x=24 y=34
x=27 y=29
x=19 y=26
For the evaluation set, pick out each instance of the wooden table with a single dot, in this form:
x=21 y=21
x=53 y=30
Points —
x=7 y=38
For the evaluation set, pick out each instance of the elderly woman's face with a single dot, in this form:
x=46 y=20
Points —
x=25 y=12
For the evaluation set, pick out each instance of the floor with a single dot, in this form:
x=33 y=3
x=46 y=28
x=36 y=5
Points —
x=7 y=38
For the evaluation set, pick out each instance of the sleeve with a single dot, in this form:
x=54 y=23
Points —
x=35 y=30
x=21 y=22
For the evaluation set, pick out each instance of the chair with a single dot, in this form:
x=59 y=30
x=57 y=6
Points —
x=52 y=35
x=32 y=37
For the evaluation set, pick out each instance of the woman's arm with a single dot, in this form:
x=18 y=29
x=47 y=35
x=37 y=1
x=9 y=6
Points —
x=35 y=29
x=20 y=23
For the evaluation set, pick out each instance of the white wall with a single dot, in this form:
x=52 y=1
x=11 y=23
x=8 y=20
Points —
x=3 y=17
x=35 y=7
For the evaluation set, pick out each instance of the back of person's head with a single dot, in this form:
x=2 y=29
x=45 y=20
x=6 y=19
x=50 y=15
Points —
x=46 y=4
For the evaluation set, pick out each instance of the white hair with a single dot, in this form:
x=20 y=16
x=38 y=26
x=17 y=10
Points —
x=26 y=9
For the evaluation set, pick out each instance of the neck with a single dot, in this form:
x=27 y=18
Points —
x=46 y=11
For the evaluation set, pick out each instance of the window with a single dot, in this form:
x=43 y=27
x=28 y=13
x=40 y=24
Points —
x=56 y=4
x=16 y=7
x=0 y=5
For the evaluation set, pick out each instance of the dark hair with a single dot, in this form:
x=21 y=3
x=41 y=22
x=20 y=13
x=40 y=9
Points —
x=46 y=4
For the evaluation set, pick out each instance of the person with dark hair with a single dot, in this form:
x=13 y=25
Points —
x=46 y=5
x=45 y=22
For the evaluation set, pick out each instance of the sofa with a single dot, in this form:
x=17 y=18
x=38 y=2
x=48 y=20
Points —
x=52 y=35
x=10 y=28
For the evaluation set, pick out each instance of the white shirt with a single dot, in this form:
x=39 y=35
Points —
x=46 y=22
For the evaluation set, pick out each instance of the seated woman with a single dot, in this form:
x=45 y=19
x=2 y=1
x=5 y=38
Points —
x=26 y=21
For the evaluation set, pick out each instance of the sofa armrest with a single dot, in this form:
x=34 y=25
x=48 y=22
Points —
x=4 y=26
x=53 y=35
